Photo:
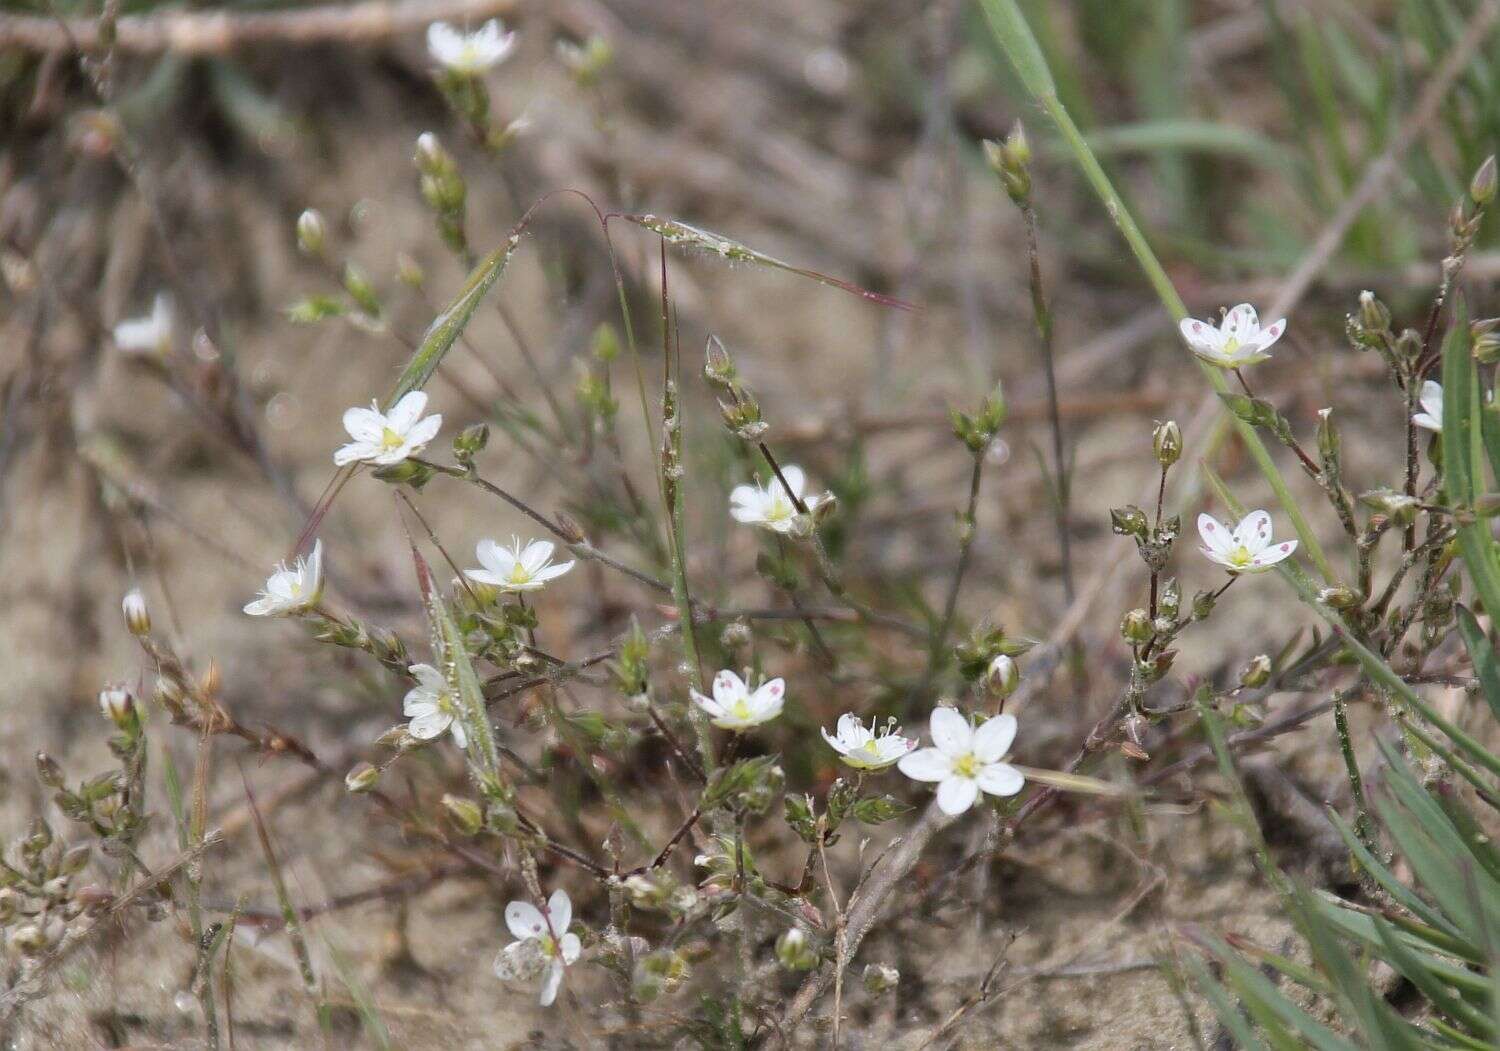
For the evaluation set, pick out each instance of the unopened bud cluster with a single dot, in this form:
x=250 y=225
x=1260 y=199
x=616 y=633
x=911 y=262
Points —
x=1010 y=159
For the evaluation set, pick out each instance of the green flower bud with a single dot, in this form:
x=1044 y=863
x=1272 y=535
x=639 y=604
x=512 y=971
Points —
x=1166 y=442
x=361 y=777
x=312 y=232
x=879 y=978
x=47 y=771
x=137 y=616
x=1256 y=672
x=464 y=813
x=1003 y=677
x=794 y=952
x=1374 y=315
x=1136 y=627
x=1482 y=186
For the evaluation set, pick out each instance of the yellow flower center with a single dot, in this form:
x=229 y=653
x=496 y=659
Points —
x=549 y=947
x=870 y=746
x=740 y=709
x=390 y=440
x=780 y=510
x=1231 y=344
x=966 y=765
x=1240 y=556
x=518 y=574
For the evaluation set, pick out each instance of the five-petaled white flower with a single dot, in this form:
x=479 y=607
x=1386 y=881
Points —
x=1245 y=549
x=1238 y=340
x=543 y=944
x=470 y=54
x=387 y=438
x=432 y=707
x=517 y=568
x=294 y=590
x=1431 y=415
x=734 y=707
x=769 y=506
x=866 y=747
x=151 y=334
x=965 y=761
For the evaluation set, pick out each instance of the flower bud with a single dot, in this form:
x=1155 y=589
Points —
x=1166 y=442
x=464 y=813
x=137 y=616
x=409 y=272
x=312 y=232
x=1256 y=671
x=794 y=952
x=74 y=860
x=1482 y=186
x=879 y=978
x=361 y=777
x=1374 y=315
x=1136 y=626
x=1339 y=597
x=431 y=157
x=47 y=771
x=1003 y=676
x=471 y=441
x=118 y=705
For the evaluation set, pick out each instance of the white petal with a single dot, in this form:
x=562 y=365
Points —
x=363 y=425
x=417 y=703
x=553 y=572
x=957 y=794
x=426 y=727
x=1269 y=335
x=570 y=947
x=498 y=560
x=795 y=478
x=460 y=735
x=1000 y=779
x=537 y=554
x=926 y=764
x=424 y=432
x=484 y=576
x=1200 y=335
x=347 y=454
x=525 y=920
x=768 y=695
x=1254 y=531
x=260 y=607
x=708 y=704
x=406 y=412
x=551 y=983
x=429 y=677
x=729 y=687
x=560 y=911
x=1274 y=554
x=1216 y=535
x=1241 y=322
x=951 y=731
x=993 y=739
x=1429 y=421
x=836 y=743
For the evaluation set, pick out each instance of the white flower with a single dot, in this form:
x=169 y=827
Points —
x=387 y=438
x=1245 y=549
x=470 y=53
x=769 y=506
x=866 y=748
x=116 y=703
x=517 y=568
x=137 y=614
x=294 y=590
x=965 y=761
x=543 y=944
x=147 y=335
x=734 y=707
x=1431 y=415
x=432 y=707
x=1239 y=339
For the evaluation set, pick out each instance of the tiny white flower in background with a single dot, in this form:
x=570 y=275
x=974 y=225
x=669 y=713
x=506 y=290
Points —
x=1431 y=415
x=387 y=438
x=137 y=615
x=965 y=761
x=866 y=747
x=1238 y=340
x=517 y=568
x=470 y=53
x=543 y=945
x=768 y=506
x=1247 y=548
x=151 y=334
x=734 y=707
x=116 y=703
x=294 y=590
x=432 y=707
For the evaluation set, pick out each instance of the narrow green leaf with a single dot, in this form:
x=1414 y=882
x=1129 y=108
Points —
x=1482 y=656
x=1432 y=985
x=1014 y=33
x=1461 y=458
x=1229 y=1015
x=450 y=324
